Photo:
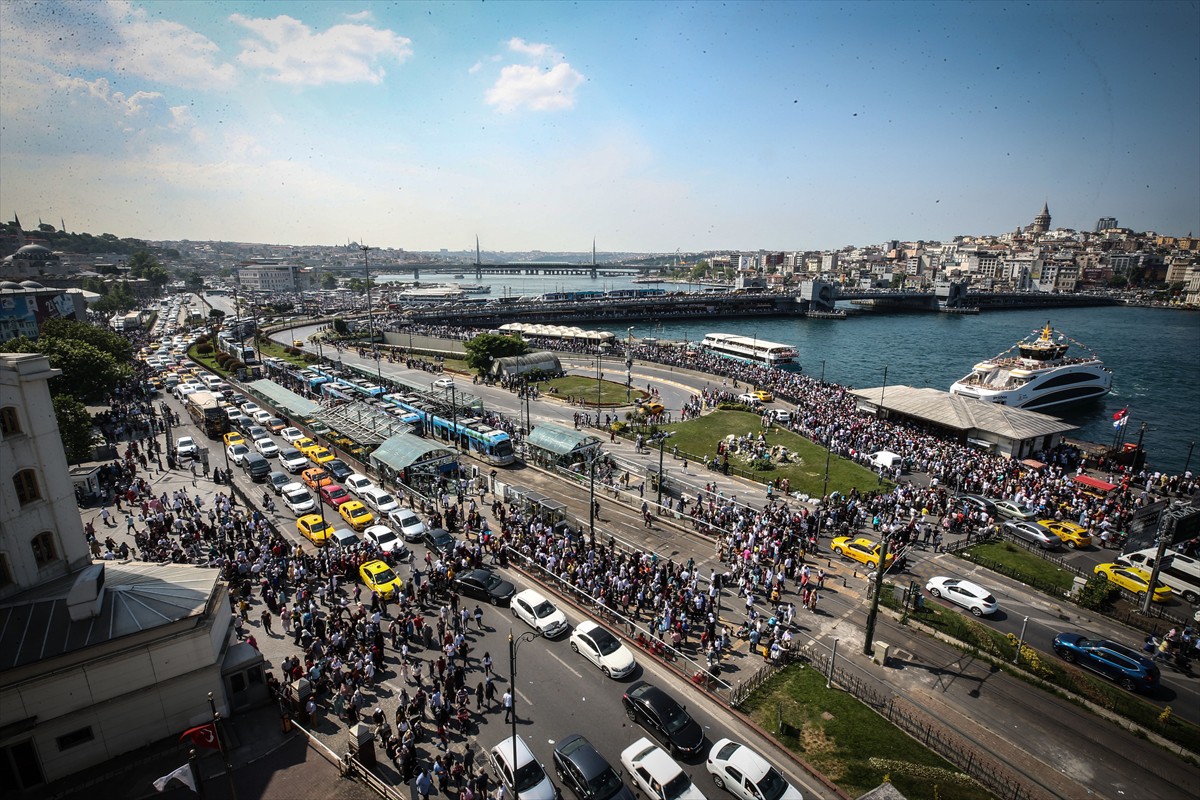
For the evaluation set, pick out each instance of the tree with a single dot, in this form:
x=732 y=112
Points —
x=487 y=347
x=111 y=342
x=143 y=265
x=329 y=281
x=216 y=314
x=88 y=373
x=340 y=327
x=225 y=272
x=74 y=428
x=119 y=297
x=194 y=281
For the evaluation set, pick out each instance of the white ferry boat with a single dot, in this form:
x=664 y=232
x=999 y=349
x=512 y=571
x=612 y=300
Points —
x=1040 y=376
x=753 y=350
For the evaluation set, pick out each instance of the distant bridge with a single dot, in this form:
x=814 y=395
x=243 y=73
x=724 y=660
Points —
x=510 y=268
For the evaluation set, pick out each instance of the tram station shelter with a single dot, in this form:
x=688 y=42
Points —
x=412 y=460
x=284 y=399
x=558 y=445
x=541 y=362
x=995 y=428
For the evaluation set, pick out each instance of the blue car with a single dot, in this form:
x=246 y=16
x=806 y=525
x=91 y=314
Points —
x=1131 y=670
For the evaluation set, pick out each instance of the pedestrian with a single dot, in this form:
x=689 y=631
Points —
x=507 y=702
x=423 y=785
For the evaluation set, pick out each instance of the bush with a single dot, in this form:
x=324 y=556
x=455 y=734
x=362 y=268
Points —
x=204 y=349
x=762 y=464
x=223 y=359
x=1096 y=593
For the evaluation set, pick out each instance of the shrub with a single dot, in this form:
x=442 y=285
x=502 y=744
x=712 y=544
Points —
x=204 y=349
x=1096 y=593
x=762 y=464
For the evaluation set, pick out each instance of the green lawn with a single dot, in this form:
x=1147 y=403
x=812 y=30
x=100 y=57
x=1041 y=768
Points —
x=611 y=394
x=273 y=349
x=851 y=744
x=1019 y=563
x=806 y=467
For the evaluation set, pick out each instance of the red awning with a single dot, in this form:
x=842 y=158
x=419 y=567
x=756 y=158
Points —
x=1095 y=483
x=1033 y=462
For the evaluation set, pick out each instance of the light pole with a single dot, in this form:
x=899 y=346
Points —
x=1188 y=463
x=370 y=309
x=221 y=745
x=662 y=441
x=599 y=375
x=825 y=485
x=882 y=390
x=592 y=494
x=628 y=365
x=513 y=645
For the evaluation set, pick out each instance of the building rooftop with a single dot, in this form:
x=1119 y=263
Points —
x=964 y=413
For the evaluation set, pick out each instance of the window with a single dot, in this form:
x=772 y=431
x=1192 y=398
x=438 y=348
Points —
x=44 y=550
x=75 y=738
x=6 y=577
x=26 y=485
x=10 y=423
x=20 y=767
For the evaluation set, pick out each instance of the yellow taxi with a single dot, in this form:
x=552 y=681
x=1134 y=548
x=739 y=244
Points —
x=357 y=515
x=320 y=455
x=305 y=445
x=652 y=407
x=315 y=478
x=862 y=550
x=379 y=578
x=763 y=396
x=234 y=438
x=313 y=528
x=297 y=343
x=1133 y=579
x=1072 y=535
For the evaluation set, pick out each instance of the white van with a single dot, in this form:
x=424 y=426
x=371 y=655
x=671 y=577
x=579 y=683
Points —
x=1180 y=572
x=532 y=782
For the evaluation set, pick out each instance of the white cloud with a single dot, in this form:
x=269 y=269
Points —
x=535 y=88
x=116 y=37
x=293 y=53
x=360 y=16
x=537 y=85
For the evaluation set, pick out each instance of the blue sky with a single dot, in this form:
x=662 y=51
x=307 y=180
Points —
x=648 y=126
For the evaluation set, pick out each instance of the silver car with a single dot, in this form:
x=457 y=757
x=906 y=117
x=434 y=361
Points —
x=1034 y=534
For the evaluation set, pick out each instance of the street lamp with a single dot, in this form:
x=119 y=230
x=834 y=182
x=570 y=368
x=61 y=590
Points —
x=370 y=309
x=513 y=645
x=882 y=390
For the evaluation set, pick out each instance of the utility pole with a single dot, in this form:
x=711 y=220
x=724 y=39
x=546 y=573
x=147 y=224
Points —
x=880 y=568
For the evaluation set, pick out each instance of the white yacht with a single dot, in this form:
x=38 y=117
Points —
x=754 y=350
x=1039 y=376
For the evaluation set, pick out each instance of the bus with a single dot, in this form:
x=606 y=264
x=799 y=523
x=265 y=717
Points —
x=207 y=413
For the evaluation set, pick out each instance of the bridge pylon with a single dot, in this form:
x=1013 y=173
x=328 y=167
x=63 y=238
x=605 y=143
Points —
x=821 y=295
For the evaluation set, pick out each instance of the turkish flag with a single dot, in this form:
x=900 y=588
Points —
x=202 y=736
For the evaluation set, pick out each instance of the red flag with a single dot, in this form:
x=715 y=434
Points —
x=1122 y=413
x=202 y=736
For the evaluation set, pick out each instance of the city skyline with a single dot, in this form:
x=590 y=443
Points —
x=649 y=127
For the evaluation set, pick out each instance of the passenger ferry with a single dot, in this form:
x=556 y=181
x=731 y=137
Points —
x=752 y=350
x=1040 y=376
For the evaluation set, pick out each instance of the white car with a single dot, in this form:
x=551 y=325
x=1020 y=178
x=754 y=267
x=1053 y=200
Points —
x=532 y=782
x=249 y=408
x=296 y=497
x=267 y=447
x=656 y=774
x=290 y=435
x=782 y=415
x=386 y=540
x=186 y=446
x=444 y=383
x=237 y=453
x=532 y=608
x=293 y=460
x=745 y=774
x=379 y=500
x=978 y=600
x=262 y=416
x=1010 y=510
x=408 y=523
x=596 y=644
x=356 y=484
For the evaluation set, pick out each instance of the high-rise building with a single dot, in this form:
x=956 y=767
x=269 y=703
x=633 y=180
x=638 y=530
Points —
x=1105 y=223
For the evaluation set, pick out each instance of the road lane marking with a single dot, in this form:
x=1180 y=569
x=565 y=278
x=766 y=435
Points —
x=565 y=664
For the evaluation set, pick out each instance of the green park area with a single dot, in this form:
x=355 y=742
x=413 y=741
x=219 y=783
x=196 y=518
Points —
x=805 y=465
x=580 y=386
x=849 y=743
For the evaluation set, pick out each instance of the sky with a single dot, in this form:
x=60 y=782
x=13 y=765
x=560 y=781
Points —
x=649 y=127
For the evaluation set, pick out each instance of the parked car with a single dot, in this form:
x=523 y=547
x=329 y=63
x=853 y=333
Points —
x=656 y=774
x=338 y=468
x=313 y=528
x=344 y=538
x=1133 y=579
x=296 y=497
x=598 y=645
x=355 y=483
x=971 y=596
x=664 y=718
x=746 y=775
x=379 y=501
x=237 y=453
x=483 y=584
x=277 y=480
x=186 y=447
x=386 y=540
x=1009 y=509
x=408 y=523
x=527 y=777
x=1033 y=533
x=1133 y=671
x=588 y=774
x=531 y=607
x=357 y=515
x=292 y=460
x=334 y=495
x=290 y=435
x=266 y=447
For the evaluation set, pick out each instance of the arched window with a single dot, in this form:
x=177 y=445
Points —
x=10 y=423
x=26 y=485
x=43 y=547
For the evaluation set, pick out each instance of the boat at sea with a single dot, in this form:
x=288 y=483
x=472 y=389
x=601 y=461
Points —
x=752 y=350
x=1039 y=376
x=475 y=288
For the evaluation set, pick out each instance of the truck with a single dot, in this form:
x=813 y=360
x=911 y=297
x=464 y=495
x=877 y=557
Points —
x=207 y=413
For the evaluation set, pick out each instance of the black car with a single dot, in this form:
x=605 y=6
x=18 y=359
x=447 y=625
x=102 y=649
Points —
x=439 y=541
x=975 y=503
x=580 y=766
x=339 y=469
x=483 y=584
x=664 y=719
